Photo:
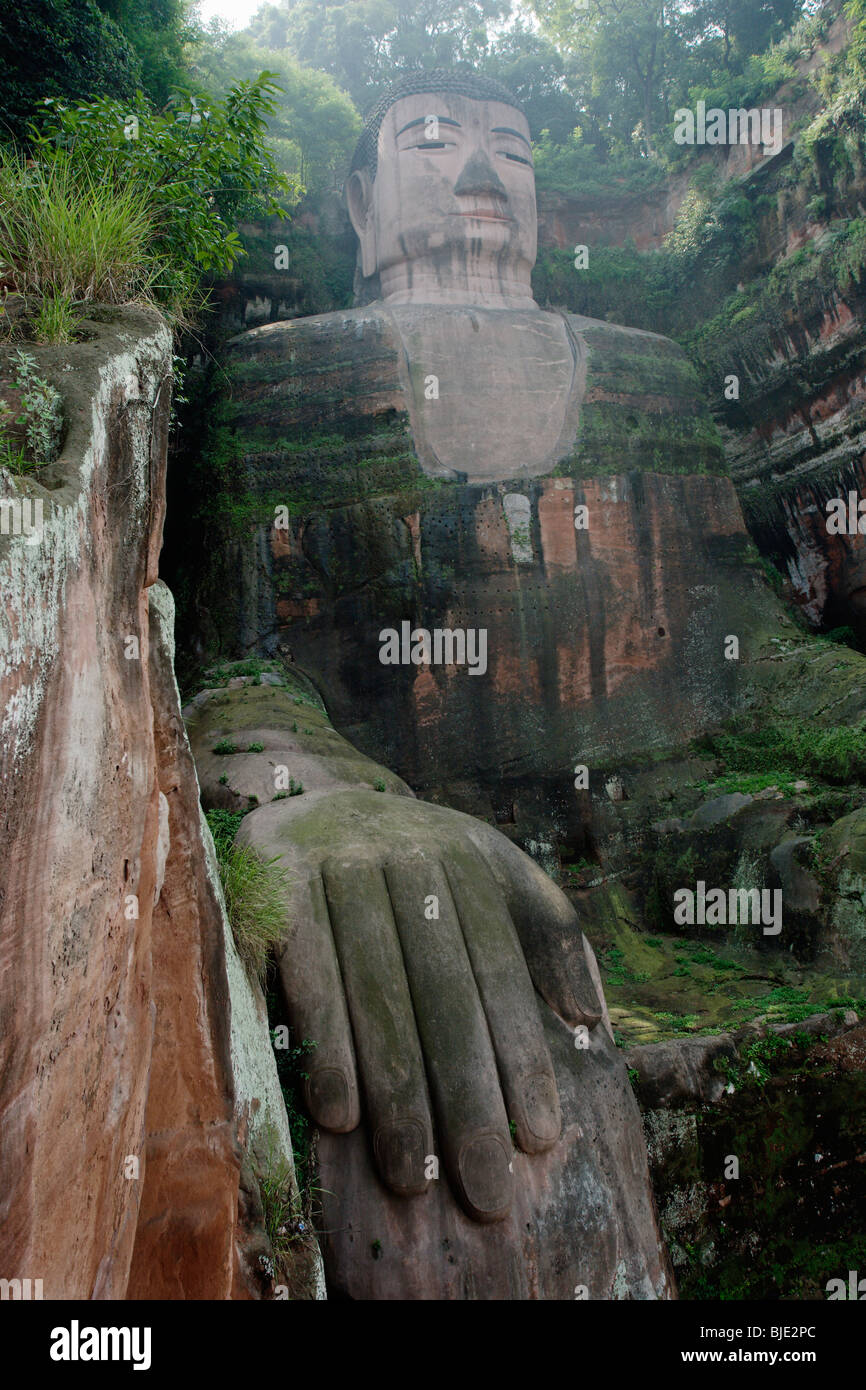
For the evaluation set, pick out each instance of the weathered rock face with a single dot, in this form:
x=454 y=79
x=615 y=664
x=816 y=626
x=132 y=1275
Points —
x=81 y=802
x=191 y=1155
x=846 y=906
x=755 y=1141
x=214 y=1100
x=799 y=440
x=125 y=1112
x=305 y=266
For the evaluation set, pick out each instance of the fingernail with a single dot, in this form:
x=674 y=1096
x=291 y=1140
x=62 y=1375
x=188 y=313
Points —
x=400 y=1153
x=541 y=1108
x=485 y=1178
x=329 y=1099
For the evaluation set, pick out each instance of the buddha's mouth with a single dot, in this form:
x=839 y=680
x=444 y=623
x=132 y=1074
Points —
x=486 y=215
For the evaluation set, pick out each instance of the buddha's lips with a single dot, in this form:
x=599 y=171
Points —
x=487 y=215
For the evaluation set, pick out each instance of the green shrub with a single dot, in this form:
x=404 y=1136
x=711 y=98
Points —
x=843 y=635
x=754 y=1062
x=61 y=48
x=163 y=190
x=223 y=827
x=295 y=789
x=40 y=418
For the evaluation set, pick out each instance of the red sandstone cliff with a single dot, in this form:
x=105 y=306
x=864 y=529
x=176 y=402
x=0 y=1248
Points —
x=135 y=1066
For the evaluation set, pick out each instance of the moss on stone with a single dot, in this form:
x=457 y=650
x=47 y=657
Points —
x=755 y=1236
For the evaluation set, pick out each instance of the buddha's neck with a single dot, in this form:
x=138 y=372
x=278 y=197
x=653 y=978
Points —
x=415 y=283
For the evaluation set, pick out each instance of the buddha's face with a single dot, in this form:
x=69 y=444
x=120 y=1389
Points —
x=453 y=202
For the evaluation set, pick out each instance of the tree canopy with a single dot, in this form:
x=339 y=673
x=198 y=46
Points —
x=61 y=48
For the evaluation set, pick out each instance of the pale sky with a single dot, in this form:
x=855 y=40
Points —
x=236 y=13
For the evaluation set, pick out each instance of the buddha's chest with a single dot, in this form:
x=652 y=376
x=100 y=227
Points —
x=492 y=393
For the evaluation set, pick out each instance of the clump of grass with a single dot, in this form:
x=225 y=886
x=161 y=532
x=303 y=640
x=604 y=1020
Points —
x=295 y=789
x=677 y=1023
x=288 y=1219
x=15 y=459
x=254 y=891
x=218 y=676
x=281 y=1206
x=225 y=745
x=56 y=319
x=68 y=237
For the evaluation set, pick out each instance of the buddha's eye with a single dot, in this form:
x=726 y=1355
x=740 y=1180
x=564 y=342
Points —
x=426 y=145
x=516 y=158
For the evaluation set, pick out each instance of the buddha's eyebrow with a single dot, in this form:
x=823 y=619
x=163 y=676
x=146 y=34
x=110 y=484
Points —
x=422 y=120
x=506 y=130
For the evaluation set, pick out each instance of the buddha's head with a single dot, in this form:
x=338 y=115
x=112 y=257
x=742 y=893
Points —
x=442 y=194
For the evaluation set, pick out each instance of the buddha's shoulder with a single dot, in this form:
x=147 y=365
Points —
x=347 y=332
x=334 y=371
x=642 y=401
x=633 y=359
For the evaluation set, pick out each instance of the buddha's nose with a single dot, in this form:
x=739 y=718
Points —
x=479 y=176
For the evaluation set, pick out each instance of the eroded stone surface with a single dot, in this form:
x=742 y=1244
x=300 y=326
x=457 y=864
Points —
x=124 y=1108
x=81 y=814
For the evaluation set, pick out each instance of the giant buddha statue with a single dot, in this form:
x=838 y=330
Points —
x=455 y=456
x=458 y=461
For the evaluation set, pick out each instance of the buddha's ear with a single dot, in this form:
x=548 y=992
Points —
x=359 y=200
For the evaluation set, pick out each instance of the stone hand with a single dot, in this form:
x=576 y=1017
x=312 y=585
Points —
x=417 y=938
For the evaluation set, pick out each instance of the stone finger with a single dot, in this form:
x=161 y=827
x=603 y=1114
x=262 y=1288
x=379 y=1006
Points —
x=316 y=1006
x=507 y=994
x=461 y=1067
x=383 y=1023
